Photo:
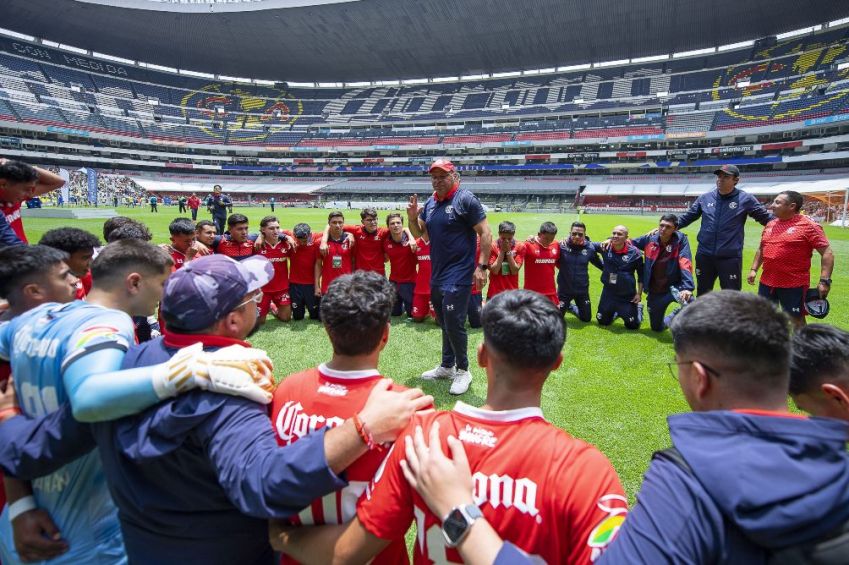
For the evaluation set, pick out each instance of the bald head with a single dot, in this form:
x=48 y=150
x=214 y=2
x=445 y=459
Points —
x=618 y=237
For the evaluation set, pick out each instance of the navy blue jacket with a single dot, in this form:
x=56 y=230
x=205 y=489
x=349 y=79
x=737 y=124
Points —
x=8 y=237
x=627 y=266
x=679 y=269
x=758 y=481
x=453 y=240
x=194 y=478
x=573 y=278
x=723 y=221
x=218 y=206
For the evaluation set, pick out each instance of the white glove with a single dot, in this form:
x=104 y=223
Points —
x=235 y=370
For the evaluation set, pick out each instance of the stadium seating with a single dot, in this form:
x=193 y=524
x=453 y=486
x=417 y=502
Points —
x=792 y=81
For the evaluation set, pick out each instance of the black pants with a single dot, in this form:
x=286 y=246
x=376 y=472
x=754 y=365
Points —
x=194 y=214
x=153 y=208
x=657 y=303
x=304 y=300
x=403 y=298
x=182 y=208
x=451 y=304
x=582 y=301
x=475 y=308
x=729 y=271
x=220 y=222
x=609 y=305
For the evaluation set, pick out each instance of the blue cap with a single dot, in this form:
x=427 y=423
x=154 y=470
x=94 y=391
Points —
x=205 y=290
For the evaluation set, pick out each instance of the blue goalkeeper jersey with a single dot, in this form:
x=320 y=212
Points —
x=40 y=344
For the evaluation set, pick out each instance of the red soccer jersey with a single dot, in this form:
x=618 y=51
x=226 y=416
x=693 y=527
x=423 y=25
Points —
x=423 y=273
x=336 y=263
x=554 y=496
x=402 y=261
x=12 y=211
x=540 y=263
x=178 y=257
x=302 y=260
x=786 y=249
x=318 y=397
x=83 y=286
x=368 y=253
x=500 y=282
x=232 y=249
x=278 y=255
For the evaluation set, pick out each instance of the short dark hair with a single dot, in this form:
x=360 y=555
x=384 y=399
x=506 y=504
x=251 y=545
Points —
x=368 y=213
x=355 y=311
x=17 y=171
x=506 y=227
x=236 y=219
x=579 y=225
x=548 y=227
x=181 y=226
x=69 y=240
x=130 y=230
x=794 y=198
x=394 y=215
x=129 y=255
x=525 y=328
x=335 y=214
x=23 y=264
x=670 y=218
x=745 y=332
x=113 y=224
x=267 y=220
x=302 y=228
x=214 y=186
x=204 y=223
x=819 y=352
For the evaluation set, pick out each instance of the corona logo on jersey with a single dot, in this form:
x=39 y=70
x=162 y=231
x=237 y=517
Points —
x=504 y=490
x=292 y=423
x=616 y=508
x=759 y=73
x=247 y=111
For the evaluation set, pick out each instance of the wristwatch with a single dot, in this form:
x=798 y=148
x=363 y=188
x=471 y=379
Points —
x=483 y=267
x=826 y=282
x=456 y=525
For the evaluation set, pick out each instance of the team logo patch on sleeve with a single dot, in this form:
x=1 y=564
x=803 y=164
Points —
x=97 y=334
x=616 y=508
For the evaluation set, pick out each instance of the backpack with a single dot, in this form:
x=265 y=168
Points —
x=829 y=549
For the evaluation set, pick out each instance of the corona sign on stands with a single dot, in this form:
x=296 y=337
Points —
x=256 y=111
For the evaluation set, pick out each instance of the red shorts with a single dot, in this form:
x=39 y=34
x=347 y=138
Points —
x=280 y=298
x=421 y=305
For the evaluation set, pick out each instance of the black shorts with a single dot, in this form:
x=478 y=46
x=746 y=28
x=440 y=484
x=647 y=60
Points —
x=792 y=300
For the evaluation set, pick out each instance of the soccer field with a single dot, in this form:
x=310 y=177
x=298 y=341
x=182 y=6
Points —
x=613 y=389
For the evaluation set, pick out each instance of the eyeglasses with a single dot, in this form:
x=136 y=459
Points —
x=673 y=367
x=255 y=298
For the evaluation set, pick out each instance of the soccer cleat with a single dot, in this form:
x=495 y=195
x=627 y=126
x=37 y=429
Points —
x=574 y=309
x=439 y=372
x=462 y=381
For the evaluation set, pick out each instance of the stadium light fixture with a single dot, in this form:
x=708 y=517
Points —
x=839 y=22
x=234 y=79
x=113 y=58
x=474 y=77
x=196 y=74
x=797 y=32
x=612 y=63
x=568 y=68
x=738 y=45
x=509 y=74
x=16 y=35
x=694 y=52
x=444 y=79
x=651 y=58
x=414 y=81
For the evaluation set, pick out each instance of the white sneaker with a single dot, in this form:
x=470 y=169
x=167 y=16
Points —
x=462 y=381
x=439 y=372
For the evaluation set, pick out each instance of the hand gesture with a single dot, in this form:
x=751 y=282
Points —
x=443 y=483
x=685 y=296
x=413 y=209
x=386 y=413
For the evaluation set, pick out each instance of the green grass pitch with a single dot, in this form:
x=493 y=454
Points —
x=613 y=389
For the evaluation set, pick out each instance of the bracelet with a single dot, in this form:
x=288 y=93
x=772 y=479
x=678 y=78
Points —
x=20 y=506
x=13 y=409
x=365 y=435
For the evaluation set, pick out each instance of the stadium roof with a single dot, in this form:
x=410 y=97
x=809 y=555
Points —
x=366 y=40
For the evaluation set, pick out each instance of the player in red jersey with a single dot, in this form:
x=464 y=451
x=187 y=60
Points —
x=552 y=495
x=205 y=232
x=237 y=243
x=183 y=247
x=506 y=260
x=277 y=250
x=400 y=249
x=368 y=253
x=355 y=313
x=18 y=183
x=302 y=273
x=421 y=291
x=542 y=254
x=787 y=244
x=339 y=258
x=79 y=245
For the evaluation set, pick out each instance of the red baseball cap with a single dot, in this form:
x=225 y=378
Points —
x=443 y=164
